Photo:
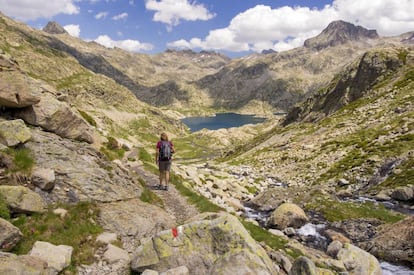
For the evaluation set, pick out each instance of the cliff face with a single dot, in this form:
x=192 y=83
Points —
x=355 y=82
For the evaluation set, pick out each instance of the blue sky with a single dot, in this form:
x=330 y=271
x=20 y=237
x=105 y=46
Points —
x=233 y=27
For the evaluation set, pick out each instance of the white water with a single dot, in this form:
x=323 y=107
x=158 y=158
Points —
x=390 y=269
x=310 y=229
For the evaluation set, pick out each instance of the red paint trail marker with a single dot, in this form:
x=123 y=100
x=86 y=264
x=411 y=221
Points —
x=174 y=232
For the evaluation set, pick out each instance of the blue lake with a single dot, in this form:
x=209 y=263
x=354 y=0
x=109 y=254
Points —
x=221 y=120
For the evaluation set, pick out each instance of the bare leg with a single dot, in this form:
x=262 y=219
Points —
x=167 y=179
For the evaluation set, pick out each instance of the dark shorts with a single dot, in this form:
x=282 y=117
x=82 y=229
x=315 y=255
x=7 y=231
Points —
x=164 y=165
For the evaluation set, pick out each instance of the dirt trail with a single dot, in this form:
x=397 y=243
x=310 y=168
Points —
x=175 y=204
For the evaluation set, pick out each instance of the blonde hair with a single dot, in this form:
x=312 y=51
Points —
x=164 y=136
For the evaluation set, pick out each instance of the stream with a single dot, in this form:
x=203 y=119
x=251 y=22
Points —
x=312 y=235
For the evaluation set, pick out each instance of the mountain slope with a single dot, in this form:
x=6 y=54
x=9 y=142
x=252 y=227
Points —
x=361 y=123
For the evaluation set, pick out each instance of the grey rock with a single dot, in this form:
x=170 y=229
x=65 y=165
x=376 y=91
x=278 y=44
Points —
x=57 y=117
x=334 y=248
x=14 y=132
x=58 y=257
x=21 y=199
x=16 y=89
x=23 y=264
x=216 y=242
x=358 y=261
x=303 y=266
x=288 y=215
x=115 y=254
x=44 y=178
x=404 y=193
x=10 y=235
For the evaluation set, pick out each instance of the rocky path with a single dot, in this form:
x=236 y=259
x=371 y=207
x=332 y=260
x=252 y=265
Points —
x=175 y=204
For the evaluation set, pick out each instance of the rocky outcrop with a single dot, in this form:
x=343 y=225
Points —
x=353 y=83
x=53 y=27
x=21 y=199
x=287 y=215
x=56 y=116
x=16 y=89
x=14 y=132
x=81 y=172
x=134 y=220
x=57 y=257
x=23 y=264
x=216 y=242
x=9 y=235
x=395 y=243
x=339 y=32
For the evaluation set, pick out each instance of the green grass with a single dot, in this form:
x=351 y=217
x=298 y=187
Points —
x=22 y=160
x=405 y=175
x=202 y=203
x=112 y=150
x=75 y=230
x=148 y=196
x=339 y=211
x=88 y=118
x=144 y=156
x=4 y=210
x=275 y=242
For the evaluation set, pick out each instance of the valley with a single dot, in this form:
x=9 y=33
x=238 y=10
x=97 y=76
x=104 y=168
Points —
x=78 y=128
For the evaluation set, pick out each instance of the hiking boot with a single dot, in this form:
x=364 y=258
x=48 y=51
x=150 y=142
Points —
x=166 y=188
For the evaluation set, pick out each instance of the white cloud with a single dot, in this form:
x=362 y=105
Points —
x=73 y=30
x=122 y=16
x=101 y=15
x=128 y=44
x=284 y=28
x=30 y=10
x=171 y=12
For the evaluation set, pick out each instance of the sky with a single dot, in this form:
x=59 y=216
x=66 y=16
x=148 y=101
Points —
x=232 y=27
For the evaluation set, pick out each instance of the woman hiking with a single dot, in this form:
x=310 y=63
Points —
x=163 y=157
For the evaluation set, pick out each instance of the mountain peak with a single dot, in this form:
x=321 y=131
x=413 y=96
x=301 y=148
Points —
x=53 y=27
x=339 y=32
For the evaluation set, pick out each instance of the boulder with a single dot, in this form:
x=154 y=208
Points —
x=404 y=193
x=15 y=90
x=115 y=254
x=107 y=237
x=10 y=235
x=57 y=117
x=394 y=243
x=214 y=242
x=334 y=248
x=57 y=257
x=358 y=261
x=303 y=265
x=287 y=215
x=21 y=199
x=14 y=132
x=43 y=178
x=23 y=264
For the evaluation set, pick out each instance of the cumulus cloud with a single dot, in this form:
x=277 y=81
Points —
x=73 y=30
x=33 y=9
x=171 y=12
x=122 y=16
x=101 y=15
x=284 y=28
x=128 y=44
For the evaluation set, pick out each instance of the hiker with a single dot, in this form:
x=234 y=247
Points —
x=163 y=156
